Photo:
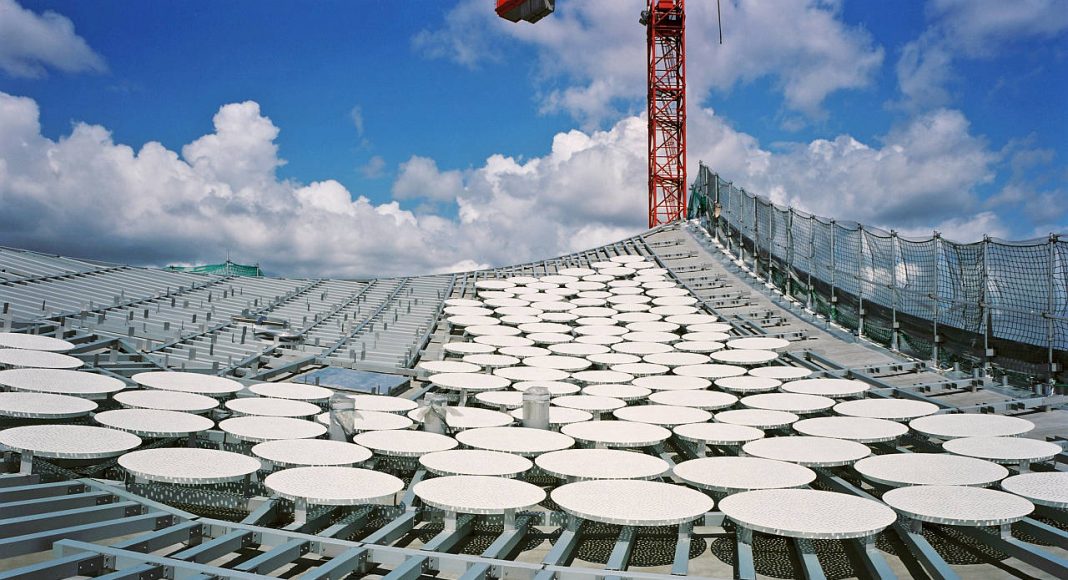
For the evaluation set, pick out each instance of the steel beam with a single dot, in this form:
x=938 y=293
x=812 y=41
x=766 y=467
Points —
x=23 y=525
x=207 y=551
x=339 y=566
x=275 y=558
x=810 y=563
x=348 y=525
x=870 y=558
x=1045 y=532
x=177 y=569
x=743 y=549
x=124 y=494
x=566 y=543
x=50 y=504
x=138 y=572
x=188 y=533
x=681 y=564
x=620 y=556
x=928 y=557
x=19 y=479
x=264 y=514
x=77 y=564
x=456 y=529
x=500 y=548
x=392 y=531
x=40 y=541
x=1030 y=553
x=35 y=491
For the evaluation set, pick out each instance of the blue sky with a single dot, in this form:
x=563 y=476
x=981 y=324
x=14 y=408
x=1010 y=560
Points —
x=429 y=135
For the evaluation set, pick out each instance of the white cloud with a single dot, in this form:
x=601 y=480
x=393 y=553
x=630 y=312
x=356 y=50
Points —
x=981 y=27
x=923 y=173
x=591 y=54
x=31 y=43
x=375 y=168
x=456 y=40
x=356 y=114
x=419 y=178
x=969 y=29
x=86 y=195
x=963 y=229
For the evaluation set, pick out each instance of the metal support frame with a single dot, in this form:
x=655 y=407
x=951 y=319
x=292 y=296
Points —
x=624 y=546
x=275 y=557
x=810 y=563
x=566 y=543
x=500 y=548
x=870 y=558
x=456 y=529
x=1030 y=553
x=212 y=549
x=97 y=530
x=680 y=565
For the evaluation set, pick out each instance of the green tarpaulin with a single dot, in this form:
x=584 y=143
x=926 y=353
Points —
x=227 y=268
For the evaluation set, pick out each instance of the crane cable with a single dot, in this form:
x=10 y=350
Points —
x=719 y=17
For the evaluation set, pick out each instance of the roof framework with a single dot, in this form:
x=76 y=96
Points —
x=124 y=320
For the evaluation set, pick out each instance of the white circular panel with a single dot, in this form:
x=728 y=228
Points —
x=807 y=513
x=187 y=465
x=197 y=383
x=37 y=359
x=68 y=441
x=632 y=502
x=897 y=469
x=957 y=505
x=331 y=485
x=33 y=342
x=301 y=452
x=736 y=474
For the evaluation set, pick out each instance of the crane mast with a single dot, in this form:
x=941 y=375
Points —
x=665 y=24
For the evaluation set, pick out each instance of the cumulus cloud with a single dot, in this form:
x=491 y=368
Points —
x=969 y=29
x=919 y=177
x=375 y=168
x=86 y=195
x=591 y=61
x=419 y=178
x=32 y=43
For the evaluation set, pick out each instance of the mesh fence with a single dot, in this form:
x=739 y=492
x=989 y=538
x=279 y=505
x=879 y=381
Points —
x=997 y=303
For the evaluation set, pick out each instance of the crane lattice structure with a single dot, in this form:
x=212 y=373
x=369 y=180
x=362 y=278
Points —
x=665 y=23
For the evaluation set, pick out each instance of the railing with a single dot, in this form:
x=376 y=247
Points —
x=996 y=305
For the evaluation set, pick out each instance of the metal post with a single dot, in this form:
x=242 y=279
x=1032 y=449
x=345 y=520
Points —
x=811 y=261
x=716 y=205
x=756 y=236
x=985 y=316
x=937 y=304
x=894 y=326
x=1049 y=308
x=736 y=200
x=834 y=272
x=860 y=286
x=789 y=252
x=536 y=408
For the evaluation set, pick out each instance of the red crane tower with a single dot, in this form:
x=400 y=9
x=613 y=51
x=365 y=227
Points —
x=665 y=24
